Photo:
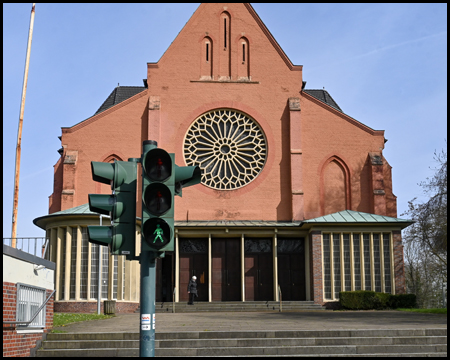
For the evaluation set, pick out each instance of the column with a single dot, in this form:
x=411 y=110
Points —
x=209 y=269
x=242 y=269
x=177 y=268
x=59 y=256
x=275 y=266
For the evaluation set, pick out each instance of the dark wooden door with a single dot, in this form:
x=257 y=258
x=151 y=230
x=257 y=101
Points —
x=165 y=278
x=291 y=269
x=258 y=277
x=226 y=270
x=190 y=265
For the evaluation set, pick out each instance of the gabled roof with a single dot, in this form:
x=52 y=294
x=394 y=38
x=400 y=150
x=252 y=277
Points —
x=323 y=96
x=119 y=94
x=350 y=216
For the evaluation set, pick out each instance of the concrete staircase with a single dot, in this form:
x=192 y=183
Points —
x=382 y=342
x=182 y=307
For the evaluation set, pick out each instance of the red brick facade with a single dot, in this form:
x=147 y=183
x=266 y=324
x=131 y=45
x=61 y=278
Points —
x=314 y=150
x=16 y=344
x=315 y=238
x=319 y=160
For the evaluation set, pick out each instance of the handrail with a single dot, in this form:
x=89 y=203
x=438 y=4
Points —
x=36 y=314
x=173 y=300
x=280 y=296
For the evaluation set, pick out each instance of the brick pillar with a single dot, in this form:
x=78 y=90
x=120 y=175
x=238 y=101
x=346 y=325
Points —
x=69 y=176
x=399 y=265
x=154 y=119
x=296 y=159
x=315 y=238
x=378 y=186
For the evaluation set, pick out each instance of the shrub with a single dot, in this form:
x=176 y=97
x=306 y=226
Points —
x=367 y=300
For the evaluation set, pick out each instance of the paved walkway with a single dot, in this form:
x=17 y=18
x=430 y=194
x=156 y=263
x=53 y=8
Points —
x=252 y=321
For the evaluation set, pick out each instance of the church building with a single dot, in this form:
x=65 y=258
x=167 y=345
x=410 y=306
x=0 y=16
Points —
x=295 y=198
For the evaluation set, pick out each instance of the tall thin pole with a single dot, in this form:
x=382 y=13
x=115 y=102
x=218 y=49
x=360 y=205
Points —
x=19 y=134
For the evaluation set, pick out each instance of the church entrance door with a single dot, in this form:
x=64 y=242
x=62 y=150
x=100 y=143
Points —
x=226 y=270
x=291 y=269
x=258 y=266
x=194 y=261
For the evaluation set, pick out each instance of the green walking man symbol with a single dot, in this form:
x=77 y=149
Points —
x=159 y=232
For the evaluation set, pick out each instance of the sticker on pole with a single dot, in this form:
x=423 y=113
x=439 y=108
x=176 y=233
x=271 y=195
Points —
x=145 y=319
x=154 y=321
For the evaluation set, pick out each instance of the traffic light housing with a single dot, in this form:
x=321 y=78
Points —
x=158 y=189
x=120 y=206
x=162 y=179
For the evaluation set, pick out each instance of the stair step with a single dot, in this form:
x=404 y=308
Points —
x=365 y=342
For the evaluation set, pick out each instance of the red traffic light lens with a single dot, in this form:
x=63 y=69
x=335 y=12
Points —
x=157 y=199
x=157 y=165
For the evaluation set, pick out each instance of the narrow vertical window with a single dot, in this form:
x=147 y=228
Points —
x=376 y=262
x=367 y=276
x=387 y=264
x=73 y=263
x=337 y=264
x=347 y=274
x=357 y=261
x=84 y=263
x=207 y=51
x=94 y=271
x=225 y=32
x=243 y=52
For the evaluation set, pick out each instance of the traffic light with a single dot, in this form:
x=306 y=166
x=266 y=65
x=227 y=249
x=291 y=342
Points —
x=120 y=206
x=186 y=176
x=158 y=189
x=162 y=179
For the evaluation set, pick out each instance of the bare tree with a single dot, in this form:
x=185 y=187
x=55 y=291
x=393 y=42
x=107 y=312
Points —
x=425 y=242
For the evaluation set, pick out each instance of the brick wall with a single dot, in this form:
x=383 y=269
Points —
x=316 y=266
x=91 y=307
x=20 y=344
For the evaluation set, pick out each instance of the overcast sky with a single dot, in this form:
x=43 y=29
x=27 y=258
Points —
x=384 y=64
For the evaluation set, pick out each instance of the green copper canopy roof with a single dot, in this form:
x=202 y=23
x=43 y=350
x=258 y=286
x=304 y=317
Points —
x=350 y=216
x=346 y=217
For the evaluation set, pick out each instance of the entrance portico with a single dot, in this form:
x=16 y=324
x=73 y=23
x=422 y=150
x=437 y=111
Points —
x=239 y=260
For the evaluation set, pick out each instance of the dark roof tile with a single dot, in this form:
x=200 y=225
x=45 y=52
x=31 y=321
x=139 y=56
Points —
x=119 y=94
x=323 y=96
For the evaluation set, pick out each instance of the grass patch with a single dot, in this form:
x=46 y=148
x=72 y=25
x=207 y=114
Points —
x=426 y=311
x=63 y=319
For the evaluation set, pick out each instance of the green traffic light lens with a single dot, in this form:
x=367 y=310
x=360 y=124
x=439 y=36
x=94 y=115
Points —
x=156 y=233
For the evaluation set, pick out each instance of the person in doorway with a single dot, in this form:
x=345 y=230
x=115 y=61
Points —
x=192 y=290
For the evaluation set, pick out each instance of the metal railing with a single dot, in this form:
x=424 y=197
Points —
x=34 y=316
x=30 y=245
x=173 y=300
x=280 y=297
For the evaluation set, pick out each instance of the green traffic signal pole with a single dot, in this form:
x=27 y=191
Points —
x=147 y=304
x=147 y=260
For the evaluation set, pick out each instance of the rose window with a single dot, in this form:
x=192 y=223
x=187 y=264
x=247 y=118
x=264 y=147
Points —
x=229 y=147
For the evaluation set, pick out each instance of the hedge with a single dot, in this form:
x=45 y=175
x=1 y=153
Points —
x=368 y=300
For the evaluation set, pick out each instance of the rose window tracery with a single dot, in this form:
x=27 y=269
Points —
x=228 y=145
